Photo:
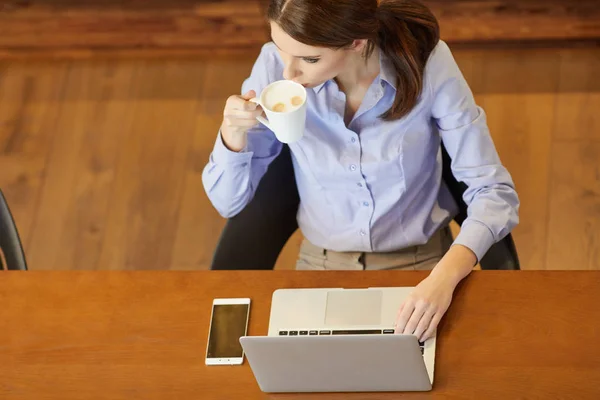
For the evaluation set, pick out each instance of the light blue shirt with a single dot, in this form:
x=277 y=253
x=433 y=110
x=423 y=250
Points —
x=376 y=186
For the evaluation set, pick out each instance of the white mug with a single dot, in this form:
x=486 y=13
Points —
x=284 y=103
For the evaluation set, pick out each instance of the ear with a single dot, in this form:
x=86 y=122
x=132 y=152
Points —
x=359 y=45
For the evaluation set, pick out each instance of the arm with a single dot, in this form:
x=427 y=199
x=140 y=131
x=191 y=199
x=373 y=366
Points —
x=231 y=177
x=491 y=198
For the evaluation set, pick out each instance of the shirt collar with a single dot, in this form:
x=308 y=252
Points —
x=386 y=73
x=318 y=88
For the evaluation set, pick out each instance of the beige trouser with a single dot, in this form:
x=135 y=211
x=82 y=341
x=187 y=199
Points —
x=421 y=257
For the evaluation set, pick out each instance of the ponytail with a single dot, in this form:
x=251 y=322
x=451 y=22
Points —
x=408 y=33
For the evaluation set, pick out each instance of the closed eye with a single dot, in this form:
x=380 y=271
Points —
x=311 y=60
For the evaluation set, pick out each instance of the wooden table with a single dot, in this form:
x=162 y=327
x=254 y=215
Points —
x=142 y=335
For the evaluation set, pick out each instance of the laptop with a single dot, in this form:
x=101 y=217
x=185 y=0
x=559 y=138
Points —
x=338 y=340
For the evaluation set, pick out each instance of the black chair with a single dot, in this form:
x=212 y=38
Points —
x=12 y=256
x=254 y=238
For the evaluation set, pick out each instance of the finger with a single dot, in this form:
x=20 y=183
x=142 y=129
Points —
x=249 y=95
x=398 y=316
x=404 y=316
x=425 y=322
x=241 y=114
x=250 y=105
x=412 y=323
x=432 y=327
x=239 y=103
x=247 y=123
x=240 y=123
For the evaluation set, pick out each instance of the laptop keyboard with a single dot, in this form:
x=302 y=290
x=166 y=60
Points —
x=343 y=332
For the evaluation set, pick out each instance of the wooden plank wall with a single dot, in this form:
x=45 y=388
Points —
x=159 y=27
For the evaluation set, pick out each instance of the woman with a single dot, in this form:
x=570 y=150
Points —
x=382 y=92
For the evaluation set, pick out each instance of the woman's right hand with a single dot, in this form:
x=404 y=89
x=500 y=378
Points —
x=238 y=117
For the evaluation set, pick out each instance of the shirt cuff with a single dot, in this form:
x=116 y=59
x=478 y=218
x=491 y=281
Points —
x=221 y=154
x=475 y=236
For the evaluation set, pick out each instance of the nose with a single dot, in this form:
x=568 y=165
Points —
x=290 y=71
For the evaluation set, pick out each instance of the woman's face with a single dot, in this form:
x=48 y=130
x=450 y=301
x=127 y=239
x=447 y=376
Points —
x=308 y=65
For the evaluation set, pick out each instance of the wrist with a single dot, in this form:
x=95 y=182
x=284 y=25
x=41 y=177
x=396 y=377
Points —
x=234 y=141
x=456 y=264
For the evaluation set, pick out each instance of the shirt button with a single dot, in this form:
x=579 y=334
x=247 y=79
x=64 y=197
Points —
x=362 y=233
x=352 y=167
x=245 y=164
x=360 y=184
x=366 y=204
x=353 y=140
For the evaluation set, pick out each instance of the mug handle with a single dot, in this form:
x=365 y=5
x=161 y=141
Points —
x=260 y=118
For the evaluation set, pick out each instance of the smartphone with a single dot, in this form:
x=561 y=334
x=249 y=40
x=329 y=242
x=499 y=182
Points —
x=228 y=322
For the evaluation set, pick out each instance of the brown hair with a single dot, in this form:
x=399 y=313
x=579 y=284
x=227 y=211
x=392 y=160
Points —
x=405 y=30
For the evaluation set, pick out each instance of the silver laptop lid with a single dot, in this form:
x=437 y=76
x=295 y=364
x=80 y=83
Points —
x=349 y=363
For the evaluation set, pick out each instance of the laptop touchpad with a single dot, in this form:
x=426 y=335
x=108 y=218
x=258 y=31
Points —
x=353 y=307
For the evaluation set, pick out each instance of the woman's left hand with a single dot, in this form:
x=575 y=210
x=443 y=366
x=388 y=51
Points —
x=423 y=309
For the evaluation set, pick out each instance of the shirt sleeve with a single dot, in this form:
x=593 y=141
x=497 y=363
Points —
x=230 y=178
x=491 y=198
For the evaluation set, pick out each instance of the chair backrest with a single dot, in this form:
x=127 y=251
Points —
x=503 y=254
x=11 y=250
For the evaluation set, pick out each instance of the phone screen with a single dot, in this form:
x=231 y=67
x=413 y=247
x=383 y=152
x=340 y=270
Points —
x=228 y=324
